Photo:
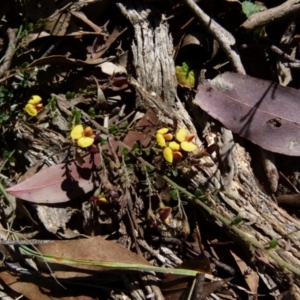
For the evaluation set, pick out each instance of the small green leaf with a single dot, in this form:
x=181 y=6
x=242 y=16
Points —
x=174 y=195
x=198 y=193
x=175 y=173
x=147 y=152
x=24 y=65
x=138 y=152
x=135 y=145
x=125 y=151
x=215 y=197
x=30 y=26
x=273 y=244
x=149 y=170
x=103 y=142
x=250 y=8
x=238 y=219
x=91 y=111
x=114 y=129
x=70 y=95
x=186 y=76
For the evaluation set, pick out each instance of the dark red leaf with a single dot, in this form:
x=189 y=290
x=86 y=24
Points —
x=59 y=183
x=263 y=112
x=144 y=130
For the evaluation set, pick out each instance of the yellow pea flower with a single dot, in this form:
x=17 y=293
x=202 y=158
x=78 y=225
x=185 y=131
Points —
x=172 y=149
x=98 y=200
x=33 y=106
x=174 y=146
x=162 y=136
x=83 y=137
x=185 y=140
x=103 y=199
x=181 y=134
x=160 y=140
x=168 y=154
x=162 y=130
x=188 y=146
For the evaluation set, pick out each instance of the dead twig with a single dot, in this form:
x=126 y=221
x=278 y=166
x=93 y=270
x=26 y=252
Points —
x=295 y=65
x=11 y=49
x=271 y=15
x=283 y=55
x=221 y=35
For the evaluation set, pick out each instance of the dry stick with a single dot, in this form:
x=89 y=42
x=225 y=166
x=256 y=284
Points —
x=221 y=35
x=227 y=42
x=245 y=237
x=199 y=203
x=295 y=65
x=11 y=49
x=283 y=55
x=271 y=15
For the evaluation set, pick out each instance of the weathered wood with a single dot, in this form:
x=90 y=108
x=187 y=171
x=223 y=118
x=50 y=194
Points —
x=156 y=87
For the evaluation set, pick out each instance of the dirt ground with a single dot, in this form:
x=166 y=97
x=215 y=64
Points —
x=149 y=149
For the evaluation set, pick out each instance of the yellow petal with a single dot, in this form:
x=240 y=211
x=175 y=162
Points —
x=35 y=99
x=103 y=200
x=174 y=146
x=85 y=141
x=181 y=134
x=168 y=154
x=188 y=146
x=31 y=110
x=77 y=132
x=162 y=130
x=168 y=136
x=160 y=140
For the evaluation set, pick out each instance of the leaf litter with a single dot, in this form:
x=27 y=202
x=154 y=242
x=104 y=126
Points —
x=76 y=57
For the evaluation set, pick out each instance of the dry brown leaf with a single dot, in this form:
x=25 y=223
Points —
x=40 y=288
x=58 y=24
x=62 y=59
x=93 y=249
x=80 y=15
x=110 y=40
x=251 y=277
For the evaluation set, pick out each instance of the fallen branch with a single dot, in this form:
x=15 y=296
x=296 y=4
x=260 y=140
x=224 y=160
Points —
x=271 y=15
x=11 y=49
x=221 y=35
x=266 y=221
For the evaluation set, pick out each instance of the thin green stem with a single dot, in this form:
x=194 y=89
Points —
x=241 y=233
x=113 y=265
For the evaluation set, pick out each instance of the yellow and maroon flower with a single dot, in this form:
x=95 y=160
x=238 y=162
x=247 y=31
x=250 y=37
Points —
x=162 y=136
x=172 y=149
x=185 y=140
x=84 y=137
x=33 y=106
